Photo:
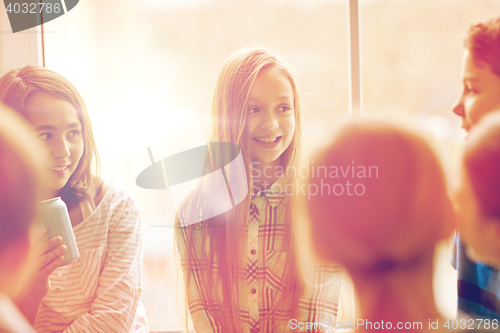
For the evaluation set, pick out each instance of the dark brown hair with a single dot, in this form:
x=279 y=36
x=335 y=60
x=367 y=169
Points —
x=483 y=41
x=15 y=88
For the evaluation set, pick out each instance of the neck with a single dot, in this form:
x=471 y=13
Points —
x=265 y=174
x=399 y=296
x=54 y=194
x=49 y=194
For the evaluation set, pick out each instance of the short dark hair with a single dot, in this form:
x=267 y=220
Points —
x=483 y=41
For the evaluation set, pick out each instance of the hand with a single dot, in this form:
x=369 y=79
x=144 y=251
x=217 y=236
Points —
x=46 y=256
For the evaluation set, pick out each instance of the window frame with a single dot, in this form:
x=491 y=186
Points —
x=32 y=43
x=19 y=49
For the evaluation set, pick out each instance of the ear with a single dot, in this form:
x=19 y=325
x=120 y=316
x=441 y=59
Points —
x=13 y=257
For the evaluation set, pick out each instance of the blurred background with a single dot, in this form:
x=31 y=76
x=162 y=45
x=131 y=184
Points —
x=142 y=65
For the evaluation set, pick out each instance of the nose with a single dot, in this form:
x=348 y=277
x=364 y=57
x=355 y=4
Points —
x=458 y=108
x=60 y=149
x=269 y=121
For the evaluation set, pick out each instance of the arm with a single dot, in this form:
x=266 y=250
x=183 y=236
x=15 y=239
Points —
x=201 y=318
x=37 y=282
x=119 y=286
x=321 y=304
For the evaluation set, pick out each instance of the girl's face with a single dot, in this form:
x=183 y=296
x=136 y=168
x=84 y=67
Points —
x=56 y=122
x=481 y=93
x=271 y=117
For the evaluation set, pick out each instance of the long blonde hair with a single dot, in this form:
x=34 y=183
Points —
x=223 y=236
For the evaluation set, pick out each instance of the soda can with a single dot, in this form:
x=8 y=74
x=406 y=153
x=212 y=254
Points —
x=55 y=218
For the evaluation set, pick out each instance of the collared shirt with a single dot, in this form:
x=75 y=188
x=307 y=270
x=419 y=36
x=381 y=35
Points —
x=261 y=286
x=478 y=285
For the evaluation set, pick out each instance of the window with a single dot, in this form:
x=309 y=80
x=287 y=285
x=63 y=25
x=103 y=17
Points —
x=141 y=64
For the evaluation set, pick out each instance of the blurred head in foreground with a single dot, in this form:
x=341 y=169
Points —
x=386 y=210
x=19 y=193
x=478 y=196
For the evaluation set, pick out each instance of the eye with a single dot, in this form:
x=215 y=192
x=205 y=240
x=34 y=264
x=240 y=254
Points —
x=253 y=110
x=45 y=136
x=74 y=133
x=469 y=89
x=284 y=108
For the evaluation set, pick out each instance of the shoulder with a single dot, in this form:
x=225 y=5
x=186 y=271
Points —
x=98 y=198
x=117 y=198
x=201 y=205
x=188 y=210
x=123 y=212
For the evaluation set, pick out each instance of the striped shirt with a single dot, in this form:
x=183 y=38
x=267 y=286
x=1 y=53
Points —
x=478 y=285
x=261 y=284
x=100 y=291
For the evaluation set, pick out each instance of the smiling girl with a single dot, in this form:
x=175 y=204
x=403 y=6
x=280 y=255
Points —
x=100 y=291
x=239 y=267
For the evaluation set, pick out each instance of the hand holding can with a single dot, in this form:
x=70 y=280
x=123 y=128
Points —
x=45 y=257
x=55 y=218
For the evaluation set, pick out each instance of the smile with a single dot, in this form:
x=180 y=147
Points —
x=59 y=169
x=272 y=139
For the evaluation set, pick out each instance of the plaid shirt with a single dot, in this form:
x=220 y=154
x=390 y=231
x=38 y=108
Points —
x=261 y=286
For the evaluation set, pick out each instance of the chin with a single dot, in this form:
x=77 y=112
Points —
x=268 y=160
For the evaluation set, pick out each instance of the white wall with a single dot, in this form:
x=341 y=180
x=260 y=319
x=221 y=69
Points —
x=21 y=48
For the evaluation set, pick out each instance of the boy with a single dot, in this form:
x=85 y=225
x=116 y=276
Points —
x=478 y=283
